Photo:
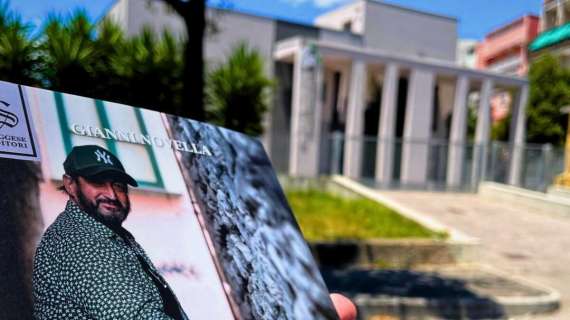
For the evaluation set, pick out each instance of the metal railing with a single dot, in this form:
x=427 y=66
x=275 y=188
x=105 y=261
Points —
x=540 y=163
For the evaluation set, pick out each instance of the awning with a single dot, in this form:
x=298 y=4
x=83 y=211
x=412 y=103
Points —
x=550 y=37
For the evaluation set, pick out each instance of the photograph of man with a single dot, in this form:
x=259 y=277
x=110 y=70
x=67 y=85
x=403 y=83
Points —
x=87 y=266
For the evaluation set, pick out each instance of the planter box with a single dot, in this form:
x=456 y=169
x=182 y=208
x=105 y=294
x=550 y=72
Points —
x=392 y=253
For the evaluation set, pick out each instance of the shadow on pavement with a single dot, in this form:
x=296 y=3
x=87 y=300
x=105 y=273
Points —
x=404 y=294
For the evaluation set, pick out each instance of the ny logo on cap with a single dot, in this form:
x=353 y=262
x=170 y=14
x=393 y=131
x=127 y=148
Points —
x=103 y=156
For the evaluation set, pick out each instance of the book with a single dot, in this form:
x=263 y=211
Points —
x=208 y=210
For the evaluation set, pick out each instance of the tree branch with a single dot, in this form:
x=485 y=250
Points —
x=181 y=7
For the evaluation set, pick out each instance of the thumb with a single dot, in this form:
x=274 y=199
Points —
x=344 y=307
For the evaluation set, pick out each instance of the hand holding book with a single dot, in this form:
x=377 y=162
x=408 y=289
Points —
x=344 y=307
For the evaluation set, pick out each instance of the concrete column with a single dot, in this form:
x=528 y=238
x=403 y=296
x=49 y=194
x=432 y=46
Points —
x=355 y=120
x=560 y=17
x=482 y=132
x=518 y=136
x=417 y=128
x=306 y=113
x=387 y=125
x=457 y=137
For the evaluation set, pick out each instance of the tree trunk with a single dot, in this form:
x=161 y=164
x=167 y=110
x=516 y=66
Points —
x=194 y=61
x=20 y=228
x=193 y=13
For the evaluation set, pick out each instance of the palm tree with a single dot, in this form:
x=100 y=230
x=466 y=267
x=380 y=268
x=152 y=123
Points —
x=70 y=55
x=150 y=69
x=18 y=52
x=237 y=92
x=107 y=45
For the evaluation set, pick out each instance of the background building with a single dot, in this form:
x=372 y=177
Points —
x=382 y=79
x=555 y=31
x=554 y=13
x=467 y=53
x=504 y=50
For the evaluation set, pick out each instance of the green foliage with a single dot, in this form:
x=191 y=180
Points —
x=18 y=57
x=500 y=130
x=237 y=92
x=69 y=53
x=107 y=45
x=74 y=55
x=150 y=70
x=323 y=216
x=549 y=92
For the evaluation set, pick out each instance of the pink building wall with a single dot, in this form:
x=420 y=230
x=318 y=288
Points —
x=508 y=42
x=504 y=50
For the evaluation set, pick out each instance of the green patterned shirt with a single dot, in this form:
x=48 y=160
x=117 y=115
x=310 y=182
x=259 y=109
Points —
x=84 y=270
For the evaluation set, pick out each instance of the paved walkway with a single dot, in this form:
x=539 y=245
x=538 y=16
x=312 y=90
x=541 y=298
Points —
x=532 y=244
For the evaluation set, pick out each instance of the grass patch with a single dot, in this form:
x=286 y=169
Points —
x=324 y=216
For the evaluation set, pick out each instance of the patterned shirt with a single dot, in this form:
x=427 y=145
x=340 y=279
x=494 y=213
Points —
x=85 y=270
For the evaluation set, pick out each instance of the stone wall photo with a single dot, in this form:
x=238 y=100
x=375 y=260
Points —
x=259 y=247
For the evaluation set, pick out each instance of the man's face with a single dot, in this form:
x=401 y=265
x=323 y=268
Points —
x=104 y=198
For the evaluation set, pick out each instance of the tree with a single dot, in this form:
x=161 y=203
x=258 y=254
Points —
x=100 y=62
x=237 y=92
x=549 y=92
x=69 y=53
x=150 y=70
x=471 y=121
x=108 y=45
x=193 y=12
x=18 y=58
x=500 y=129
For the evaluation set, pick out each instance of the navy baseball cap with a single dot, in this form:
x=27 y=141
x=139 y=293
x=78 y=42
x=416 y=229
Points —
x=91 y=160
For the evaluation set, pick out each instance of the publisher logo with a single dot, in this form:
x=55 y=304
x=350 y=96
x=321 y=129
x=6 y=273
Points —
x=7 y=118
x=17 y=139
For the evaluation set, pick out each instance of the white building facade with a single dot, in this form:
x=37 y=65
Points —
x=466 y=53
x=368 y=71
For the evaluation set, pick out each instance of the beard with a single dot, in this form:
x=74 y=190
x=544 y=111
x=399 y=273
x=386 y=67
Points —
x=112 y=218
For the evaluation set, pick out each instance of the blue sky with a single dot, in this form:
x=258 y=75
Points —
x=475 y=17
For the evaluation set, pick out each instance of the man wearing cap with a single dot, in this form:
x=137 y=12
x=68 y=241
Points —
x=87 y=266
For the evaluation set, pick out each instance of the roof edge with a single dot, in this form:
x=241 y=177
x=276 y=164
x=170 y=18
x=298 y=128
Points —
x=427 y=13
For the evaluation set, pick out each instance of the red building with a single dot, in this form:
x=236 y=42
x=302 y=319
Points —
x=505 y=49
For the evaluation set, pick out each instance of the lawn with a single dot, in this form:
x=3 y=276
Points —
x=324 y=216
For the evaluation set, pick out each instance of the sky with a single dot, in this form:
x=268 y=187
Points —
x=476 y=18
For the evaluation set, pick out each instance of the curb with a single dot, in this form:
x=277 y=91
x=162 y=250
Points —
x=484 y=307
x=455 y=236
x=549 y=302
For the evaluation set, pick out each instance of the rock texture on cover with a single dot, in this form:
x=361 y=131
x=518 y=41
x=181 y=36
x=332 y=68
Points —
x=259 y=246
